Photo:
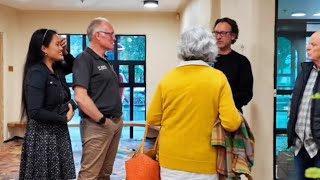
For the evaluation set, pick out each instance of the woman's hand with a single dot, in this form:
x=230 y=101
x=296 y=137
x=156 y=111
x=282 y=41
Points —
x=70 y=113
x=63 y=43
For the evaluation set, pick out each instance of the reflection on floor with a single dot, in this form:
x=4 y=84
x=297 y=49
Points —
x=10 y=157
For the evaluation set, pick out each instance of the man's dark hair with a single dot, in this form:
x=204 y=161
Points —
x=232 y=23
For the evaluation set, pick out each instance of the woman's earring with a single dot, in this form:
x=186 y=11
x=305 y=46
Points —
x=45 y=54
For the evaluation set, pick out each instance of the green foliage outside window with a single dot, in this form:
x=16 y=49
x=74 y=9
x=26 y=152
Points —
x=134 y=48
x=76 y=45
x=284 y=55
x=139 y=74
x=286 y=70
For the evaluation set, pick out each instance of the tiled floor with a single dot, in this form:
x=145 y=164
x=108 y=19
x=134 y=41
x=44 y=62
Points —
x=10 y=159
x=10 y=156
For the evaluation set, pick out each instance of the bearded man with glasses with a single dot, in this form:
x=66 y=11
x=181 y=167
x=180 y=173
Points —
x=235 y=66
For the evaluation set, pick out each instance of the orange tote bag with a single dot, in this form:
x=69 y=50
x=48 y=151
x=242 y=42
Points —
x=144 y=165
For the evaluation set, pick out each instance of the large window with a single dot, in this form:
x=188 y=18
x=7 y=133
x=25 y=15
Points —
x=129 y=62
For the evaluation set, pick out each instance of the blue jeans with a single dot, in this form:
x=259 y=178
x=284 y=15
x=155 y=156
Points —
x=303 y=161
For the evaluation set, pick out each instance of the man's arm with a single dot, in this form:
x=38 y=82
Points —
x=81 y=79
x=245 y=85
x=228 y=114
x=86 y=104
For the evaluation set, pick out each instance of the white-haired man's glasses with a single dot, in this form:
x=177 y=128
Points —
x=107 y=33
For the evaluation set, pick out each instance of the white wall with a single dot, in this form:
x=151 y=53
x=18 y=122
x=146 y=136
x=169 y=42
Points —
x=196 y=13
x=256 y=23
x=162 y=31
x=9 y=28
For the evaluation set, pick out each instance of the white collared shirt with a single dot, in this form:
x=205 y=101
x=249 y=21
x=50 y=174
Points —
x=192 y=62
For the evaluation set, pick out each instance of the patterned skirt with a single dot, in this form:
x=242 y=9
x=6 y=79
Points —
x=47 y=152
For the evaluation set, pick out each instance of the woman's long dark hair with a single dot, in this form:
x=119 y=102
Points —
x=41 y=37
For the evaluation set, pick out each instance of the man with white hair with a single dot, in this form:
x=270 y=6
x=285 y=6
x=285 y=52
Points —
x=304 y=117
x=96 y=87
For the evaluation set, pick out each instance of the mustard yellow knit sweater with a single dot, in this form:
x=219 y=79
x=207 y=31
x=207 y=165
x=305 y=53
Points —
x=186 y=104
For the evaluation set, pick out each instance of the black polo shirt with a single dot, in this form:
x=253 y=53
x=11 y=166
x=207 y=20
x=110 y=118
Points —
x=98 y=77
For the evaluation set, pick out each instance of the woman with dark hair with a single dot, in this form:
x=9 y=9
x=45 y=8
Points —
x=47 y=151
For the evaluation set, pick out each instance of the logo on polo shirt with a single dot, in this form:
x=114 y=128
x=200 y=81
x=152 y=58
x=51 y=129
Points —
x=103 y=67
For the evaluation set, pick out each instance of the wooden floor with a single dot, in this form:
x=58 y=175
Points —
x=10 y=157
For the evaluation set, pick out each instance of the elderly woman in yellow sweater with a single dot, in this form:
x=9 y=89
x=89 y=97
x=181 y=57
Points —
x=186 y=104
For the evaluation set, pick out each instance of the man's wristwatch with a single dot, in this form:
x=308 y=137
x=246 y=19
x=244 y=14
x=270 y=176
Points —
x=102 y=120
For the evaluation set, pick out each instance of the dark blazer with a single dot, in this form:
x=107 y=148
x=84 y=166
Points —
x=46 y=91
x=296 y=101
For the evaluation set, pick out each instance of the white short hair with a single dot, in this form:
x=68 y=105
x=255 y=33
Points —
x=198 y=43
x=94 y=25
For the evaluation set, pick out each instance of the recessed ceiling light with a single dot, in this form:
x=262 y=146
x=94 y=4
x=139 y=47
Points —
x=316 y=14
x=150 y=3
x=298 y=14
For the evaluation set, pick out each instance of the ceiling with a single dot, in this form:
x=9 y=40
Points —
x=309 y=7
x=91 y=5
x=285 y=7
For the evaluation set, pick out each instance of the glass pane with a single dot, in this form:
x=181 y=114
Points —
x=125 y=134
x=286 y=65
x=138 y=133
x=110 y=55
x=307 y=42
x=139 y=106
x=76 y=118
x=283 y=102
x=284 y=162
x=124 y=73
x=69 y=78
x=87 y=42
x=132 y=48
x=76 y=45
x=281 y=143
x=139 y=74
x=284 y=82
x=126 y=104
x=76 y=141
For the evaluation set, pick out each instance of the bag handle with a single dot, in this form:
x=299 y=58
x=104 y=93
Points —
x=140 y=150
